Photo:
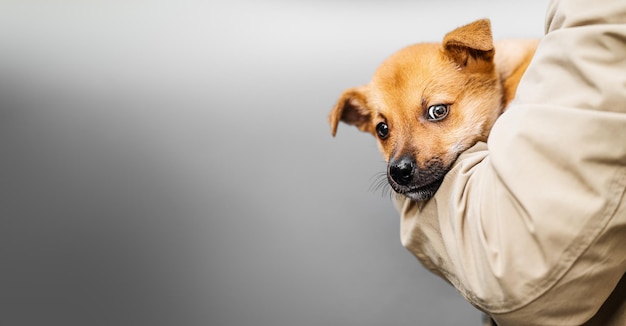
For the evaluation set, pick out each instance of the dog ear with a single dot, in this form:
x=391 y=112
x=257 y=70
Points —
x=352 y=109
x=470 y=43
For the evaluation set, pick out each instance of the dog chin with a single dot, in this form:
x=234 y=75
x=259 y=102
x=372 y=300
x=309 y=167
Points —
x=421 y=193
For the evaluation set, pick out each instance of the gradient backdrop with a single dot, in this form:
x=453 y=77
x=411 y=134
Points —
x=170 y=163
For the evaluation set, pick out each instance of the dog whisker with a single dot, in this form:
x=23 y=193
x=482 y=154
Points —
x=380 y=183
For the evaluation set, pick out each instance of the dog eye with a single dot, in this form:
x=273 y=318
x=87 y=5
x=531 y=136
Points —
x=438 y=112
x=382 y=130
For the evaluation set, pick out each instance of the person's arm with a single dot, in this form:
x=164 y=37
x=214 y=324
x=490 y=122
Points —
x=532 y=230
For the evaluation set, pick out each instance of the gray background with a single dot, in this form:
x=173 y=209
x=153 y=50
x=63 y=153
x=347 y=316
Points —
x=170 y=163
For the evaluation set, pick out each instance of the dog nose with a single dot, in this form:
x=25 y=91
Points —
x=402 y=170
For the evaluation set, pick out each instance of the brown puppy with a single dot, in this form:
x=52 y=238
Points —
x=429 y=102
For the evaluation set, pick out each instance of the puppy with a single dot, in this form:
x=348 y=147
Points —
x=429 y=102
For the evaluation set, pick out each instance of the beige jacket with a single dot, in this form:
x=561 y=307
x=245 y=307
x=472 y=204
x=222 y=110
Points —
x=532 y=229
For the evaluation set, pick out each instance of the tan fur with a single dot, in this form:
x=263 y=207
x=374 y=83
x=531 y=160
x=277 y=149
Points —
x=476 y=79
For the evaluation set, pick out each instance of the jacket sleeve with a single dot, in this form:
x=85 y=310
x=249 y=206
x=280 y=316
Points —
x=532 y=227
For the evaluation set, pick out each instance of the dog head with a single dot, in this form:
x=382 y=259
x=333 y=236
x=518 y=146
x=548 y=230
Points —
x=426 y=104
